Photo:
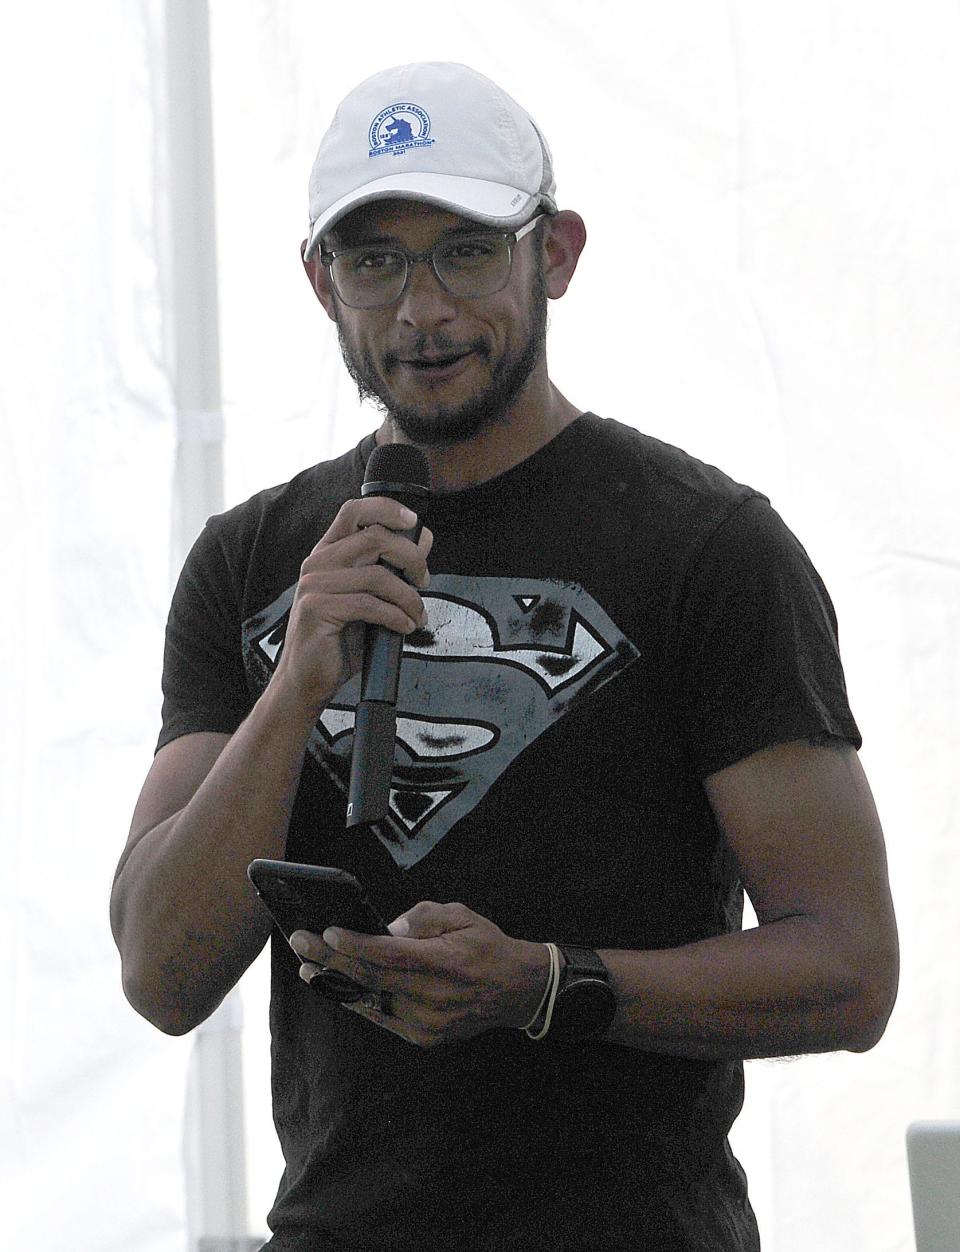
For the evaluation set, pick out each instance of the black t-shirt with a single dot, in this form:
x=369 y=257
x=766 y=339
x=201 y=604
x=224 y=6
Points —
x=610 y=622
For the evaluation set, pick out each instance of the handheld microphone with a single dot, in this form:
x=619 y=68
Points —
x=401 y=472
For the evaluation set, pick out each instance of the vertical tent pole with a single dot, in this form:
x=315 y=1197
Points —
x=214 y=1141
x=192 y=273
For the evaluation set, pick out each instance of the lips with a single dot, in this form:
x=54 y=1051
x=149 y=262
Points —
x=435 y=362
x=437 y=369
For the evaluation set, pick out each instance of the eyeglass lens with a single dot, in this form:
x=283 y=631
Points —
x=475 y=265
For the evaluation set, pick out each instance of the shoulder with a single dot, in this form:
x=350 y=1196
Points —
x=300 y=508
x=677 y=499
x=651 y=463
x=247 y=555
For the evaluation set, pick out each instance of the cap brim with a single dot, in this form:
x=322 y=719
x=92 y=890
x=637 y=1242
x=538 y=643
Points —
x=493 y=204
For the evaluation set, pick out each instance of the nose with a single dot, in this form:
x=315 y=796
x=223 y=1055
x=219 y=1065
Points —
x=425 y=304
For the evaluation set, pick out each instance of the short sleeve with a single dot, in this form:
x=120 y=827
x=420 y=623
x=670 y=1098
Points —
x=758 y=660
x=204 y=688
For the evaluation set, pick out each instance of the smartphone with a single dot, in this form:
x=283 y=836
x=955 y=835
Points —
x=313 y=897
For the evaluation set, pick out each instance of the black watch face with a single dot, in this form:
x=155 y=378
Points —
x=583 y=1010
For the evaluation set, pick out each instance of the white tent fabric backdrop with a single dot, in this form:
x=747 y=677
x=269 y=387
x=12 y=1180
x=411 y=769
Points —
x=772 y=281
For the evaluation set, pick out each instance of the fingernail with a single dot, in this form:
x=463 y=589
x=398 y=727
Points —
x=400 y=927
x=407 y=516
x=331 y=937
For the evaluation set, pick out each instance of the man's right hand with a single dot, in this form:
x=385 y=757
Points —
x=186 y=920
x=342 y=586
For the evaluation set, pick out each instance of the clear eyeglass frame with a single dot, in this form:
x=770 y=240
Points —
x=388 y=287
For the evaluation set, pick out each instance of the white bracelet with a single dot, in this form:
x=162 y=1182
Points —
x=549 y=996
x=546 y=991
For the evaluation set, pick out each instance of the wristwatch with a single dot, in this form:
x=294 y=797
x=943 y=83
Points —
x=585 y=1002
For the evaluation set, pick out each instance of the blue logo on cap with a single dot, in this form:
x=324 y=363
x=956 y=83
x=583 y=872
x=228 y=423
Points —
x=398 y=129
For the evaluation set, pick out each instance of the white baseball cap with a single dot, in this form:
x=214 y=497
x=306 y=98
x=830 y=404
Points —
x=437 y=132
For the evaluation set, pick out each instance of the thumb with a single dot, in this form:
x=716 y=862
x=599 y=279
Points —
x=428 y=920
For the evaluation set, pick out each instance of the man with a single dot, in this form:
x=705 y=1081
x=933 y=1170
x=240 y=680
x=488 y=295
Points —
x=621 y=703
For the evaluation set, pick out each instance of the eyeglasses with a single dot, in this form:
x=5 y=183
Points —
x=467 y=266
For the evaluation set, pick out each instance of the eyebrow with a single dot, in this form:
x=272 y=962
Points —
x=455 y=232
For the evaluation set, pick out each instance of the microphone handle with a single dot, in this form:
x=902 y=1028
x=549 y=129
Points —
x=371 y=770
x=375 y=727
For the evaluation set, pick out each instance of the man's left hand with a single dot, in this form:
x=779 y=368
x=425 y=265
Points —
x=443 y=972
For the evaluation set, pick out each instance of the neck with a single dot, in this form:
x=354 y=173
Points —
x=537 y=417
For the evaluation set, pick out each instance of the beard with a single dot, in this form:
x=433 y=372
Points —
x=447 y=425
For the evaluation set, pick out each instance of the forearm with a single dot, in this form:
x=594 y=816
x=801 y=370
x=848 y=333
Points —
x=185 y=917
x=791 y=986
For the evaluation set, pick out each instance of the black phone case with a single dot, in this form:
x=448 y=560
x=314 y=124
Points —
x=313 y=897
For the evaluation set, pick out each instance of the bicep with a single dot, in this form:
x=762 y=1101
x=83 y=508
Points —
x=802 y=825
x=173 y=779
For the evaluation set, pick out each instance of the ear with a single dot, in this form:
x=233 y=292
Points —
x=319 y=278
x=564 y=240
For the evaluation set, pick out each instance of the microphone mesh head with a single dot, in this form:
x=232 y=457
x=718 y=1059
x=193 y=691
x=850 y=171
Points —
x=398 y=463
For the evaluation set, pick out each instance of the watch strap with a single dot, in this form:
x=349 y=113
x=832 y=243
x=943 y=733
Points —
x=582 y=963
x=586 y=1001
